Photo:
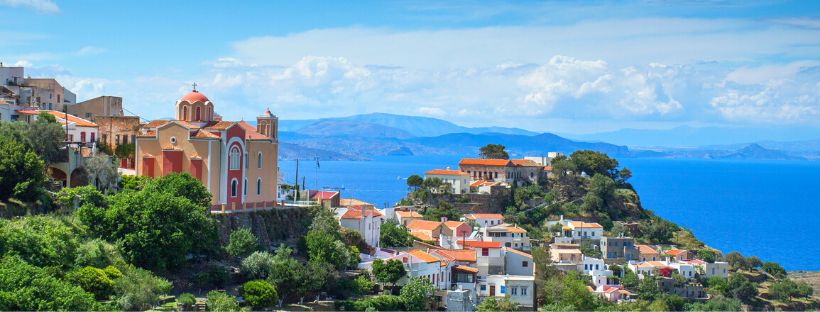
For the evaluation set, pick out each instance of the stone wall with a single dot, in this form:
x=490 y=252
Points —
x=272 y=227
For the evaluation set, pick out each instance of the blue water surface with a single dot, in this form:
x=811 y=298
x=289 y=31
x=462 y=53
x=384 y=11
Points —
x=764 y=208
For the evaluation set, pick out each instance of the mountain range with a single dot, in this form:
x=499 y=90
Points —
x=361 y=137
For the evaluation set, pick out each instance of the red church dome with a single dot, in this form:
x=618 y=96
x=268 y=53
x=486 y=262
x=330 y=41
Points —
x=194 y=96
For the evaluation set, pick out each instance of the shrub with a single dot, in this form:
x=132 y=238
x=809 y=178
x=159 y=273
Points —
x=186 y=301
x=213 y=276
x=259 y=294
x=221 y=302
x=379 y=303
x=242 y=243
x=774 y=269
x=258 y=265
x=92 y=280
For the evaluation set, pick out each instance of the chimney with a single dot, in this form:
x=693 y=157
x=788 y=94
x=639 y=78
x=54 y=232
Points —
x=443 y=219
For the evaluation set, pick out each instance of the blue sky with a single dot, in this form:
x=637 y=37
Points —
x=548 y=66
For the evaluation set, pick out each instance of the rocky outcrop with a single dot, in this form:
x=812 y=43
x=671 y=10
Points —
x=272 y=227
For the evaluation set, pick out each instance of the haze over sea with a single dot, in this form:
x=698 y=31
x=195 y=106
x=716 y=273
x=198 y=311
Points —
x=763 y=208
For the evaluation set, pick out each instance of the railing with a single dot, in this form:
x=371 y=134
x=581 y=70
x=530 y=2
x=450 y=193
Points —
x=242 y=207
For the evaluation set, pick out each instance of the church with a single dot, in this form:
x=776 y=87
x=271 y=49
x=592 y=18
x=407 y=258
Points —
x=236 y=161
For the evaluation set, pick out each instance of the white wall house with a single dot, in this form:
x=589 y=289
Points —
x=79 y=130
x=518 y=288
x=365 y=220
x=508 y=235
x=459 y=181
x=485 y=219
x=578 y=230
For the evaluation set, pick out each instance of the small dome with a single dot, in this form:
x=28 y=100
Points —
x=194 y=96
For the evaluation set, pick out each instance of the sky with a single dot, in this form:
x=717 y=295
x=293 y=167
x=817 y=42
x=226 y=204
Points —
x=554 y=66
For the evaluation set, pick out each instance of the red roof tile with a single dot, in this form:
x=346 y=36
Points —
x=478 y=244
x=423 y=225
x=446 y=172
x=325 y=195
x=356 y=213
x=485 y=162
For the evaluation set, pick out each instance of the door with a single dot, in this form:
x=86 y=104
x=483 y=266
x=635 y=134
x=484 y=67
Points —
x=492 y=290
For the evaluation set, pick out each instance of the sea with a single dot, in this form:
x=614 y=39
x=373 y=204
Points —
x=770 y=209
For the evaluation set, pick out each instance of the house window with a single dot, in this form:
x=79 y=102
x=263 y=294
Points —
x=485 y=252
x=513 y=291
x=82 y=136
x=259 y=160
x=117 y=139
x=483 y=287
x=245 y=187
x=524 y=290
x=185 y=113
x=233 y=187
x=234 y=161
x=525 y=263
x=259 y=186
x=198 y=113
x=124 y=139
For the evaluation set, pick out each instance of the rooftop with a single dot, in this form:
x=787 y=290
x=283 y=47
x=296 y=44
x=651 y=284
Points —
x=446 y=172
x=423 y=225
x=485 y=162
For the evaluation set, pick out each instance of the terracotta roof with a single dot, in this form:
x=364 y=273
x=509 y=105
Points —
x=61 y=117
x=547 y=168
x=507 y=228
x=646 y=249
x=148 y=134
x=584 y=225
x=219 y=125
x=446 y=172
x=465 y=255
x=478 y=244
x=422 y=236
x=651 y=264
x=250 y=132
x=475 y=216
x=423 y=256
x=356 y=213
x=518 y=252
x=674 y=252
x=611 y=289
x=423 y=225
x=325 y=195
x=485 y=162
x=194 y=96
x=155 y=123
x=409 y=214
x=696 y=261
x=525 y=163
x=465 y=269
x=453 y=224
x=568 y=251
x=201 y=134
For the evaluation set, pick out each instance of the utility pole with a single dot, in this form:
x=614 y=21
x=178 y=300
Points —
x=296 y=182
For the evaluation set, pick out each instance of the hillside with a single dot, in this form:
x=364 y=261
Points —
x=686 y=136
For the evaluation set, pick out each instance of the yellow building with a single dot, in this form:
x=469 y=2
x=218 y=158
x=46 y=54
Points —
x=236 y=161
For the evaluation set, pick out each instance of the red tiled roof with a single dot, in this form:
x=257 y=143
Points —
x=453 y=224
x=219 y=125
x=194 y=96
x=347 y=202
x=475 y=216
x=466 y=269
x=356 y=213
x=250 y=132
x=485 y=162
x=200 y=134
x=422 y=236
x=61 y=117
x=674 y=252
x=478 y=244
x=446 y=172
x=423 y=256
x=584 y=225
x=465 y=255
x=547 y=168
x=518 y=252
x=423 y=225
x=525 y=163
x=409 y=214
x=155 y=123
x=148 y=134
x=646 y=249
x=325 y=195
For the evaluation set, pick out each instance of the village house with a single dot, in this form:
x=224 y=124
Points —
x=508 y=235
x=489 y=256
x=458 y=182
x=517 y=171
x=618 y=248
x=365 y=220
x=577 y=230
x=517 y=262
x=452 y=231
x=428 y=231
x=518 y=288
x=565 y=257
x=677 y=255
x=647 y=253
x=237 y=162
x=718 y=268
x=485 y=219
x=329 y=199
x=611 y=293
x=404 y=217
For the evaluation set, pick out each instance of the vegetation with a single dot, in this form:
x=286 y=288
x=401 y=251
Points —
x=259 y=294
x=242 y=243
x=494 y=151
x=102 y=172
x=22 y=173
x=416 y=294
x=391 y=234
x=443 y=210
x=388 y=272
x=221 y=302
x=492 y=304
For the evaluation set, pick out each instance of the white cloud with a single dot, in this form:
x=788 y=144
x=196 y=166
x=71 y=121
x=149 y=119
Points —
x=784 y=98
x=431 y=111
x=40 y=6
x=89 y=51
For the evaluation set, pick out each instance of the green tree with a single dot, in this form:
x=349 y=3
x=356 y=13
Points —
x=736 y=261
x=183 y=185
x=221 y=302
x=715 y=304
x=774 y=269
x=102 y=172
x=648 y=289
x=568 y=289
x=630 y=278
x=417 y=293
x=134 y=183
x=753 y=262
x=39 y=240
x=139 y=289
x=444 y=209
x=155 y=230
x=590 y=250
x=259 y=294
x=493 y=304
x=707 y=255
x=388 y=272
x=125 y=150
x=326 y=247
x=717 y=285
x=48 y=138
x=97 y=253
x=493 y=151
x=242 y=243
x=741 y=288
x=22 y=173
x=24 y=287
x=414 y=182
x=186 y=301
x=316 y=276
x=593 y=162
x=92 y=280
x=83 y=195
x=259 y=265
x=786 y=290
x=391 y=234
x=362 y=285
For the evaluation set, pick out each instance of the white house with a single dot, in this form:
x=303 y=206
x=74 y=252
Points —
x=485 y=219
x=518 y=288
x=366 y=220
x=517 y=262
x=508 y=235
x=577 y=230
x=719 y=268
x=459 y=181
x=79 y=130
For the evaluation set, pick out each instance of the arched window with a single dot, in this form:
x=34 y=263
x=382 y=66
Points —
x=233 y=187
x=245 y=187
x=258 y=186
x=185 y=113
x=259 y=160
x=198 y=113
x=234 y=158
x=210 y=114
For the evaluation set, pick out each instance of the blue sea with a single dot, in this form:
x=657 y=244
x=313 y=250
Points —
x=766 y=208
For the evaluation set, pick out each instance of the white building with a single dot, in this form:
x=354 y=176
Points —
x=518 y=288
x=365 y=220
x=485 y=219
x=458 y=181
x=517 y=262
x=719 y=268
x=78 y=130
x=544 y=160
x=578 y=230
x=508 y=235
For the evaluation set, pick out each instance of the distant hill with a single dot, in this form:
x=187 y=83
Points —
x=517 y=145
x=755 y=151
x=414 y=125
x=686 y=136
x=334 y=128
